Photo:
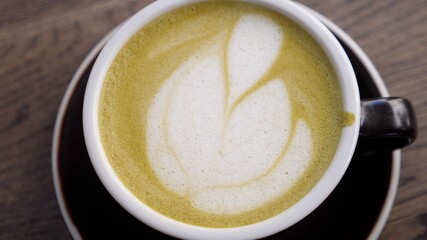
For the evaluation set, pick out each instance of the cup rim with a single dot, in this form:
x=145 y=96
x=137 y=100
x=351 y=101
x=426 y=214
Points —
x=338 y=165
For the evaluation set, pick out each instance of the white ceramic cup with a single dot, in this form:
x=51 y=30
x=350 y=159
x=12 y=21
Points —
x=338 y=165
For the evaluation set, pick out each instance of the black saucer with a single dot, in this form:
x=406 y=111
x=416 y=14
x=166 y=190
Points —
x=357 y=208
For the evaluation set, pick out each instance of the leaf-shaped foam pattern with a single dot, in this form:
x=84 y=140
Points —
x=228 y=159
x=254 y=194
x=253 y=47
x=256 y=134
x=196 y=118
x=167 y=166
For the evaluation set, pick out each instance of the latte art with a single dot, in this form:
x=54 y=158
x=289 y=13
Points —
x=220 y=114
x=217 y=134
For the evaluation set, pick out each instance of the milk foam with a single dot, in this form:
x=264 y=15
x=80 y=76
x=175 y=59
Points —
x=219 y=136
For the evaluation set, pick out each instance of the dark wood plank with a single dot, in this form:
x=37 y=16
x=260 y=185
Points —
x=43 y=41
x=42 y=44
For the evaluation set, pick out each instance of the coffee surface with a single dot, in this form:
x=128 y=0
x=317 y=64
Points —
x=220 y=114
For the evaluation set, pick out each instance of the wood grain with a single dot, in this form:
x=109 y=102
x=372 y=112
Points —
x=42 y=42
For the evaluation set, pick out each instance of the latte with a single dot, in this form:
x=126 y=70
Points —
x=220 y=114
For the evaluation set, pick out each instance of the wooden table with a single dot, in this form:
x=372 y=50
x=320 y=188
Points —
x=42 y=42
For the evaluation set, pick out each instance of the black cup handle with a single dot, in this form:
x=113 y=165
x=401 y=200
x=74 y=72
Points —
x=386 y=124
